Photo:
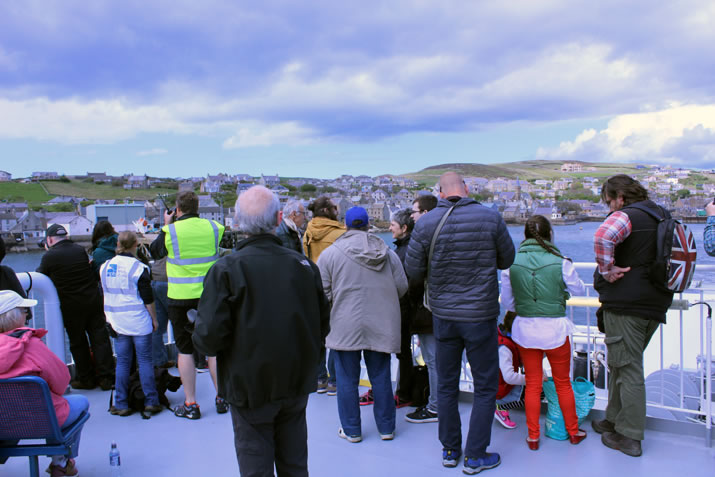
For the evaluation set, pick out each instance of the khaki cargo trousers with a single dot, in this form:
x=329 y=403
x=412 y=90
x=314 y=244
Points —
x=626 y=339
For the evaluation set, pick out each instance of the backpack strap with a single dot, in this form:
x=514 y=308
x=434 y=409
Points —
x=434 y=237
x=649 y=211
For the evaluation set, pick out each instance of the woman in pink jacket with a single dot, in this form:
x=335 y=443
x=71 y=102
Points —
x=22 y=353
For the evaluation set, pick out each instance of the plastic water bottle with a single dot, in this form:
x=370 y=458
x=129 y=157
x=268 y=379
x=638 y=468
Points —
x=114 y=461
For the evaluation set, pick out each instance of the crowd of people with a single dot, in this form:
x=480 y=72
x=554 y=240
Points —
x=306 y=286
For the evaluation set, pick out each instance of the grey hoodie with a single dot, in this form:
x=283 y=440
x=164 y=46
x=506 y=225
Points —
x=364 y=280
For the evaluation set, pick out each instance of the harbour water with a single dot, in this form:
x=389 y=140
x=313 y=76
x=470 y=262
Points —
x=574 y=241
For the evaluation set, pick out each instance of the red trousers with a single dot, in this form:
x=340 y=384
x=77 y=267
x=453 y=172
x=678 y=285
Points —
x=560 y=360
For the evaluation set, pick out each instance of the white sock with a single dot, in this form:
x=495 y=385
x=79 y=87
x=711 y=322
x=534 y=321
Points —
x=59 y=460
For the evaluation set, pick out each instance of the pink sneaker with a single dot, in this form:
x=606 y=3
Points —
x=504 y=419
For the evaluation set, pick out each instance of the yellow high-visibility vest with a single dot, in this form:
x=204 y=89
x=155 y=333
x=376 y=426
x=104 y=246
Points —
x=193 y=247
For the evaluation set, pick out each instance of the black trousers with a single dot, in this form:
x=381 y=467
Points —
x=407 y=369
x=87 y=321
x=275 y=434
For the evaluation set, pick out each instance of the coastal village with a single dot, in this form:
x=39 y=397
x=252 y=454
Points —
x=568 y=199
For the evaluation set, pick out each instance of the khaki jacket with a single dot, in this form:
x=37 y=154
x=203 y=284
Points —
x=319 y=235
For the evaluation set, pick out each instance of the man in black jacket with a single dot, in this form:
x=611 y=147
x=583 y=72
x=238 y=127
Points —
x=290 y=230
x=82 y=306
x=264 y=315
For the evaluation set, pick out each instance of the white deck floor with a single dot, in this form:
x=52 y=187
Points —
x=169 y=446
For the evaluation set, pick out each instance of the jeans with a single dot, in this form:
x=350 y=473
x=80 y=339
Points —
x=512 y=396
x=626 y=339
x=347 y=364
x=123 y=347
x=560 y=361
x=158 y=346
x=80 y=323
x=273 y=434
x=78 y=404
x=329 y=375
x=428 y=346
x=480 y=342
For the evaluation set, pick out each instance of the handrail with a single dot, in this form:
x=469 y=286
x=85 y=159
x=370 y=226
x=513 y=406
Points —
x=40 y=285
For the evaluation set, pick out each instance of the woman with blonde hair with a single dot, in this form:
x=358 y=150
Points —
x=129 y=307
x=536 y=287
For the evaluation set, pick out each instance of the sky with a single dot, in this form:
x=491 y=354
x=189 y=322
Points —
x=321 y=88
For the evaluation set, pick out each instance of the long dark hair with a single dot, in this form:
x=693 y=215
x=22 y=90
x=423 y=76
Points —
x=539 y=228
x=322 y=207
x=102 y=229
x=625 y=186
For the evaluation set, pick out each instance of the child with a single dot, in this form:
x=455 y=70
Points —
x=511 y=381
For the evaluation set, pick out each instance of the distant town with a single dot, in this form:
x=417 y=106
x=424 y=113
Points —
x=569 y=199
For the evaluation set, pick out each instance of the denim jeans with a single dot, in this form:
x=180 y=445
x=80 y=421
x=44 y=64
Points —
x=78 y=403
x=347 y=365
x=123 y=347
x=158 y=346
x=428 y=347
x=328 y=375
x=480 y=342
x=512 y=396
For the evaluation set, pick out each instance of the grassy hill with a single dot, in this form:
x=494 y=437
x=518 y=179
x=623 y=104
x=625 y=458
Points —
x=525 y=170
x=35 y=194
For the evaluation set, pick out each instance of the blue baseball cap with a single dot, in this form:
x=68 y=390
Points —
x=356 y=217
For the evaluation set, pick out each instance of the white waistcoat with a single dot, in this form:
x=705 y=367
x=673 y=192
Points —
x=123 y=306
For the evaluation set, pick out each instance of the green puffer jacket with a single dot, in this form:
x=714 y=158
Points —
x=537 y=282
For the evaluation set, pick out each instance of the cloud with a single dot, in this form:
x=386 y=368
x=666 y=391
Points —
x=152 y=152
x=681 y=134
x=256 y=134
x=279 y=72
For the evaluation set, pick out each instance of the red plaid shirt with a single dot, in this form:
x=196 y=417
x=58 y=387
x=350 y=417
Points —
x=614 y=230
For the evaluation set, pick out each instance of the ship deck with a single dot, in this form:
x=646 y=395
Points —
x=168 y=446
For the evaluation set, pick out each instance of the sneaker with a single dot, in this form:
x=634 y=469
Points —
x=322 y=386
x=114 y=411
x=388 y=436
x=474 y=466
x=401 y=402
x=450 y=457
x=78 y=384
x=422 y=414
x=332 y=389
x=603 y=426
x=189 y=411
x=503 y=418
x=353 y=439
x=58 y=471
x=221 y=405
x=367 y=398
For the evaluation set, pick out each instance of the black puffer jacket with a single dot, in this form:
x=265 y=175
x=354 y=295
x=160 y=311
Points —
x=473 y=244
x=264 y=315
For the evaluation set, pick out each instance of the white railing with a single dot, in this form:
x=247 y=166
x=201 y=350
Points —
x=41 y=288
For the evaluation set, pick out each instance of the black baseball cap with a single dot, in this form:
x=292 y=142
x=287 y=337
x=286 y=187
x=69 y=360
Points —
x=56 y=230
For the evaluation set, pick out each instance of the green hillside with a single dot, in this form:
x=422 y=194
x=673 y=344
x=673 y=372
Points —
x=525 y=170
x=35 y=194
x=101 y=191
x=32 y=193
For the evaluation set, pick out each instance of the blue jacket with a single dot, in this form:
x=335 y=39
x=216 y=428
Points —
x=473 y=243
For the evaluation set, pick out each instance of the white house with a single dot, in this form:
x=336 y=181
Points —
x=5 y=176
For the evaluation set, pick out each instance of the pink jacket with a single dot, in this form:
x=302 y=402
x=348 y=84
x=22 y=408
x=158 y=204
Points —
x=28 y=355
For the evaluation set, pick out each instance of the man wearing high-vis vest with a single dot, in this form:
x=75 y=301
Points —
x=191 y=245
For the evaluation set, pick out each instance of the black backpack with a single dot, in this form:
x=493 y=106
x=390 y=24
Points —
x=676 y=252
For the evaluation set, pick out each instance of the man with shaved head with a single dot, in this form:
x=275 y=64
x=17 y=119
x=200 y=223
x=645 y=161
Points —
x=264 y=315
x=457 y=250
